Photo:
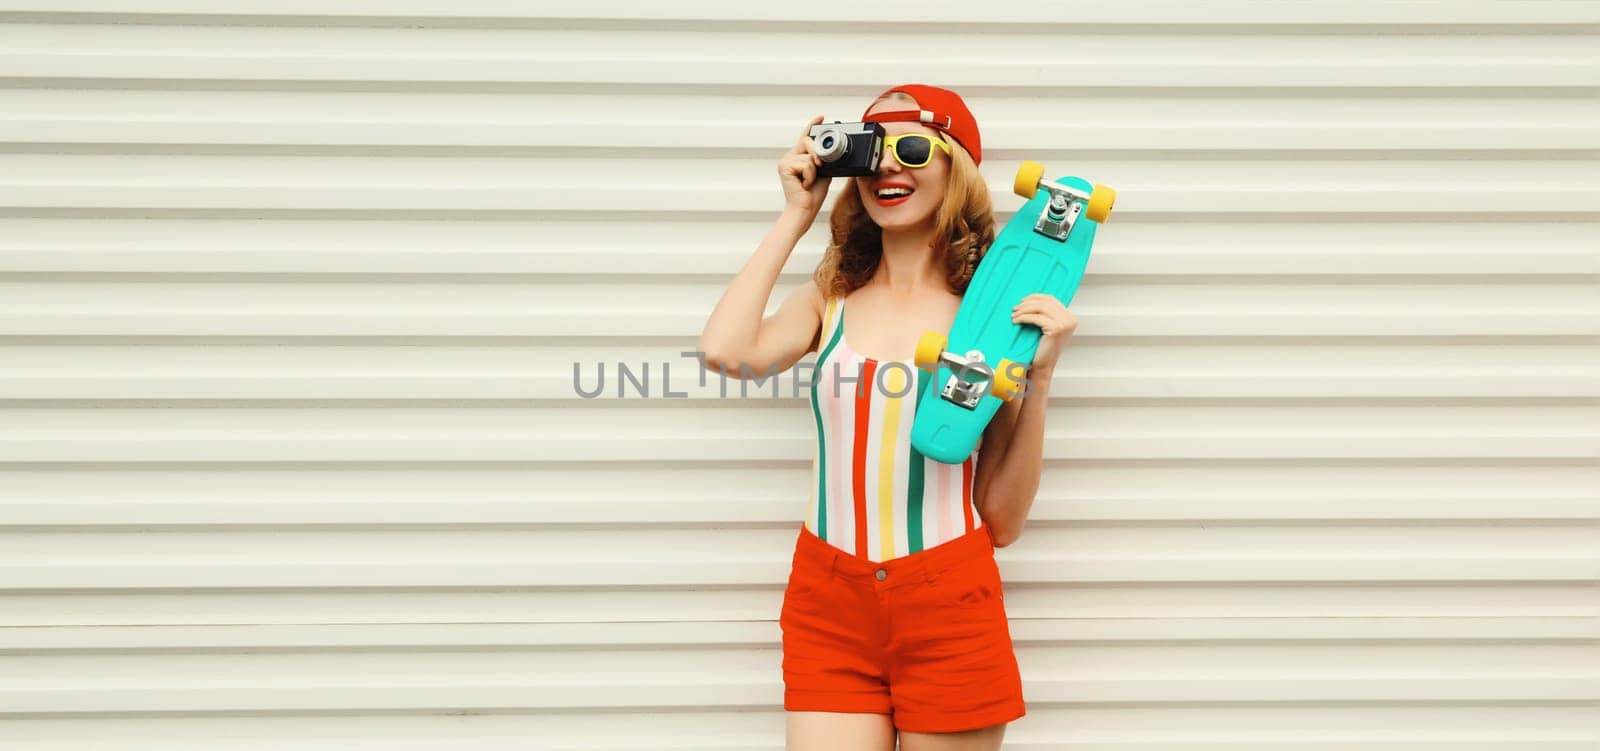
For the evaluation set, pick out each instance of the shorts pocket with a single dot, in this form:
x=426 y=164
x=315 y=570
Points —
x=970 y=584
x=798 y=586
x=806 y=578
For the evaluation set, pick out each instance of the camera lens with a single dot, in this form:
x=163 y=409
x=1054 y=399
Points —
x=831 y=145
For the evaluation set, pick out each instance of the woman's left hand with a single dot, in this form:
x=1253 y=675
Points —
x=1055 y=323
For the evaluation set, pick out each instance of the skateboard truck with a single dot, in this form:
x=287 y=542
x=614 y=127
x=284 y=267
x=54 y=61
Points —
x=970 y=378
x=1066 y=204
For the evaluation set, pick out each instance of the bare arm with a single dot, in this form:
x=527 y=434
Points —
x=1011 y=459
x=992 y=448
x=736 y=337
x=1005 y=493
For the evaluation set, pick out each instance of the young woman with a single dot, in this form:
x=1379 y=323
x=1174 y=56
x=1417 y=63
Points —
x=893 y=619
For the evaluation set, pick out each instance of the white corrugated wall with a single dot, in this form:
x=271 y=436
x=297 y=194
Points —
x=291 y=293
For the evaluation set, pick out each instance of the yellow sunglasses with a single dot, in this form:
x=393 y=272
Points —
x=914 y=149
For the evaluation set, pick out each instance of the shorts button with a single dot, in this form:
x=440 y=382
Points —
x=882 y=574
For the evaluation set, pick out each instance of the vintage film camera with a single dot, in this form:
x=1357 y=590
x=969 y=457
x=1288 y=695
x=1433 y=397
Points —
x=847 y=149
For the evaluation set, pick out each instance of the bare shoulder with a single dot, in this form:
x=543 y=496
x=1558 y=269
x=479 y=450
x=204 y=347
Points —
x=814 y=295
x=811 y=296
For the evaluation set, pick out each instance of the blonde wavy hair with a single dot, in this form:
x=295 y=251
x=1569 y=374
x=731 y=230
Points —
x=963 y=228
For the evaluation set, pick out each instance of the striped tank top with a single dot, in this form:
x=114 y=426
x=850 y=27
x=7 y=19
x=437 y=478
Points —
x=872 y=494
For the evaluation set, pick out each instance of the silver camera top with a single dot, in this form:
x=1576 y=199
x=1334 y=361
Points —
x=832 y=140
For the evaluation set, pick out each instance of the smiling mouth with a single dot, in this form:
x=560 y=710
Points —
x=895 y=198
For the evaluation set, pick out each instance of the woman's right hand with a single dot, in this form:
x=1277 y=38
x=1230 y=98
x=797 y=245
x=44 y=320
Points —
x=797 y=171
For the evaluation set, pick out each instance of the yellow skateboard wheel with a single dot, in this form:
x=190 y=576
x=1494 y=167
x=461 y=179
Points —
x=1004 y=386
x=1100 y=201
x=1028 y=176
x=929 y=347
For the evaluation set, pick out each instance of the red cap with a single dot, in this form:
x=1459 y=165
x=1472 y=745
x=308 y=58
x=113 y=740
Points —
x=942 y=109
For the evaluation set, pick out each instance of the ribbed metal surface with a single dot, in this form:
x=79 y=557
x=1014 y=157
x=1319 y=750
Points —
x=291 y=295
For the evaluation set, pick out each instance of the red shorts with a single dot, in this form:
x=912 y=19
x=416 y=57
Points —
x=922 y=637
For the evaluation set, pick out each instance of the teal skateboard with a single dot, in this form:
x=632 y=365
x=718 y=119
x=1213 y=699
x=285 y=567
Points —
x=983 y=360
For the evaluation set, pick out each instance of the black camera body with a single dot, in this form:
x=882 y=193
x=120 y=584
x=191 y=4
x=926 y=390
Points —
x=847 y=149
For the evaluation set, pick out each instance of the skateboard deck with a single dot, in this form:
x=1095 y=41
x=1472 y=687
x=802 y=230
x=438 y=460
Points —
x=982 y=361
